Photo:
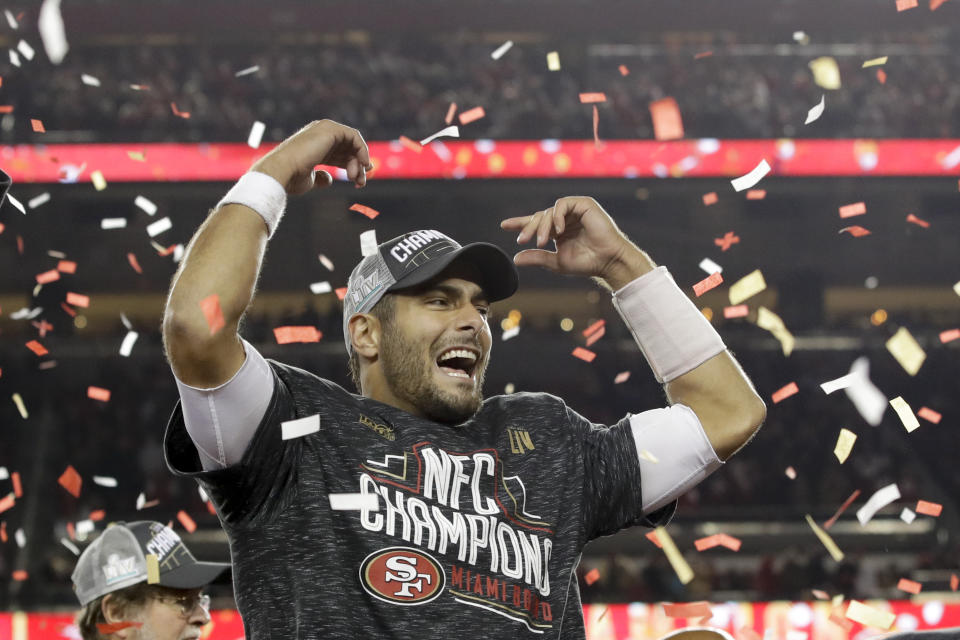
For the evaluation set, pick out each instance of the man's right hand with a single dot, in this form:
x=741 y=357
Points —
x=325 y=142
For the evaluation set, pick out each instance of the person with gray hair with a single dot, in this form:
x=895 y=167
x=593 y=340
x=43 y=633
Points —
x=113 y=583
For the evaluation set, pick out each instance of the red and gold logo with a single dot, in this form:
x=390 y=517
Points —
x=403 y=576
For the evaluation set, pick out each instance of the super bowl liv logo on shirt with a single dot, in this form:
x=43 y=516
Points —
x=459 y=504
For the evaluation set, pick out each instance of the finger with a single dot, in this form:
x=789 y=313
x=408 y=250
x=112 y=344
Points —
x=530 y=227
x=363 y=151
x=514 y=223
x=544 y=227
x=559 y=218
x=322 y=179
x=362 y=181
x=353 y=169
x=537 y=258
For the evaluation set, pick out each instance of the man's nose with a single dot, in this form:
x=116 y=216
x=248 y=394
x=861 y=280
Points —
x=470 y=319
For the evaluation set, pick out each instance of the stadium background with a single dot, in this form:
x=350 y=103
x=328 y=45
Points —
x=740 y=75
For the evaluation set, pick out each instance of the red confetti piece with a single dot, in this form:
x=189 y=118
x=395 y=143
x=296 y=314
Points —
x=106 y=628
x=729 y=542
x=687 y=609
x=6 y=108
x=584 y=354
x=710 y=198
x=667 y=123
x=929 y=508
x=132 y=259
x=19 y=575
x=167 y=251
x=6 y=502
x=186 y=521
x=909 y=586
x=413 y=145
x=935 y=4
x=71 y=531
x=211 y=508
x=652 y=537
x=709 y=542
x=596 y=127
x=341 y=292
x=593 y=97
x=596 y=335
x=843 y=507
x=711 y=281
x=37 y=348
x=881 y=76
x=593 y=328
x=472 y=115
x=451 y=111
x=71 y=481
x=756 y=194
x=855 y=209
x=20 y=245
x=784 y=392
x=97 y=515
x=212 y=313
x=954 y=582
x=917 y=221
x=592 y=576
x=67 y=266
x=48 y=276
x=68 y=309
x=286 y=335
x=370 y=212
x=703 y=54
x=856 y=231
x=903 y=5
x=37 y=125
x=737 y=311
x=949 y=335
x=17 y=485
x=98 y=393
x=820 y=595
x=624 y=71
x=78 y=300
x=929 y=415
x=3 y=531
x=728 y=239
x=180 y=114
x=623 y=376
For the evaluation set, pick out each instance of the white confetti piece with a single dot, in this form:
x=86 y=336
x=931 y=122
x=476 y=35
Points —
x=203 y=494
x=622 y=377
x=52 y=33
x=25 y=50
x=247 y=71
x=951 y=160
x=126 y=321
x=907 y=516
x=553 y=61
x=158 y=227
x=510 y=333
x=35 y=202
x=16 y=203
x=14 y=58
x=815 y=111
x=12 y=21
x=325 y=261
x=69 y=545
x=300 y=427
x=141 y=500
x=21 y=538
x=177 y=253
x=105 y=481
x=89 y=80
x=710 y=266
x=26 y=313
x=368 y=243
x=449 y=132
x=4 y=474
x=354 y=502
x=113 y=223
x=84 y=528
x=877 y=501
x=128 y=341
x=751 y=179
x=903 y=410
x=869 y=401
x=256 y=134
x=502 y=49
x=840 y=383
x=59 y=255
x=144 y=203
x=320 y=287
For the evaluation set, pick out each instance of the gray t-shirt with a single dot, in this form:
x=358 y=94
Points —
x=477 y=527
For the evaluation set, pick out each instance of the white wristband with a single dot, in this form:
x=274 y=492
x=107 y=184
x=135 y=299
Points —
x=671 y=332
x=262 y=193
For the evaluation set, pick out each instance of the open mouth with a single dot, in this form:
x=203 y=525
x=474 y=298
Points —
x=458 y=362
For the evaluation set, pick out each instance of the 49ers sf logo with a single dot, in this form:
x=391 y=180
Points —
x=401 y=575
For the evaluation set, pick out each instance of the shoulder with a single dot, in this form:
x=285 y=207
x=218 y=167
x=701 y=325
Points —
x=523 y=403
x=303 y=384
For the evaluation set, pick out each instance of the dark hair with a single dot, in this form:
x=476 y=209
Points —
x=382 y=311
x=91 y=615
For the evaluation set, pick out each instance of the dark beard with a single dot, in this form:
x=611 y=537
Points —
x=410 y=380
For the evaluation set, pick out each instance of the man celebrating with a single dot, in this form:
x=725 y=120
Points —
x=417 y=507
x=112 y=582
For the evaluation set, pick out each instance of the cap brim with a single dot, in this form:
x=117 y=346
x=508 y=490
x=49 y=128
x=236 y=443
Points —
x=499 y=278
x=193 y=576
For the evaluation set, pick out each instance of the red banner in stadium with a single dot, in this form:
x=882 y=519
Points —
x=458 y=159
x=609 y=622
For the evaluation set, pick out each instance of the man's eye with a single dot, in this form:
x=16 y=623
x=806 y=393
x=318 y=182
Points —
x=484 y=311
x=437 y=301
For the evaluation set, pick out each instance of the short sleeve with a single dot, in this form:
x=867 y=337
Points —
x=613 y=498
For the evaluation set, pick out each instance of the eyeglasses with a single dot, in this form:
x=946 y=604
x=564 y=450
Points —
x=186 y=604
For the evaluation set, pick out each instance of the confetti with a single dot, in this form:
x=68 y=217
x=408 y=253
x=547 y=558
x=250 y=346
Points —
x=186 y=521
x=156 y=228
x=680 y=566
x=553 y=61
x=855 y=209
x=25 y=49
x=622 y=377
x=106 y=628
x=596 y=127
x=870 y=402
x=21 y=539
x=180 y=114
x=592 y=576
x=624 y=71
x=881 y=76
x=320 y=287
x=595 y=336
x=584 y=354
x=67 y=266
x=907 y=516
x=737 y=311
x=153 y=569
x=471 y=115
x=878 y=501
x=69 y=545
x=856 y=231
x=907 y=351
x=71 y=481
x=98 y=393
x=145 y=204
x=354 y=502
x=702 y=54
x=37 y=348
x=790 y=472
x=7 y=502
x=213 y=313
x=113 y=223
x=17 y=485
x=449 y=132
x=844 y=445
x=909 y=586
x=843 y=507
x=325 y=261
x=929 y=508
x=688 y=610
x=929 y=415
x=710 y=282
x=710 y=266
x=35 y=202
x=78 y=300
x=512 y=332
x=90 y=81
x=127 y=345
x=304 y=334
x=747 y=287
x=954 y=582
x=256 y=134
x=370 y=212
x=341 y=292
x=903 y=5
x=815 y=111
x=905 y=413
x=592 y=97
x=710 y=198
x=10 y=19
x=785 y=392
x=99 y=182
x=19 y=575
x=917 y=221
x=593 y=328
x=649 y=457
x=652 y=537
x=22 y=408
x=300 y=427
x=840 y=383
x=751 y=179
x=756 y=194
x=868 y=616
x=52 y=33
x=826 y=73
x=709 y=542
x=728 y=239
x=138 y=156
x=820 y=595
x=501 y=50
x=825 y=538
x=132 y=259
x=873 y=62
x=48 y=276
x=105 y=481
x=16 y=203
x=368 y=243
x=451 y=111
x=667 y=121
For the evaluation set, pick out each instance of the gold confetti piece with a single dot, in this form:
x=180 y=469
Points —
x=99 y=182
x=874 y=62
x=825 y=538
x=770 y=321
x=956 y=288
x=17 y=400
x=859 y=612
x=683 y=570
x=826 y=73
x=844 y=445
x=907 y=351
x=153 y=569
x=747 y=287
x=903 y=410
x=553 y=61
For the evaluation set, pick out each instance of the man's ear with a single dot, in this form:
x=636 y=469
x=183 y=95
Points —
x=114 y=612
x=365 y=334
